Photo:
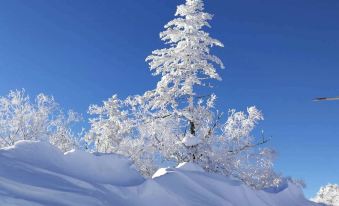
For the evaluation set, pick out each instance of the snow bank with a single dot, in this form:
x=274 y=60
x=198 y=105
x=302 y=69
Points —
x=186 y=166
x=36 y=174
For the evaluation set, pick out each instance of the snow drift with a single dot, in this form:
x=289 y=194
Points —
x=36 y=174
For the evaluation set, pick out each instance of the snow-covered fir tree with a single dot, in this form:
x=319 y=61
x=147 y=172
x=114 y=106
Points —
x=41 y=119
x=187 y=62
x=328 y=195
x=172 y=123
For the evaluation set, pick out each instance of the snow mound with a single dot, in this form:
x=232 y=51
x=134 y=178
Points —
x=187 y=166
x=38 y=174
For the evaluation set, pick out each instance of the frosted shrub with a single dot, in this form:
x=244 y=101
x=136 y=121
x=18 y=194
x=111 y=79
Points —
x=41 y=119
x=328 y=195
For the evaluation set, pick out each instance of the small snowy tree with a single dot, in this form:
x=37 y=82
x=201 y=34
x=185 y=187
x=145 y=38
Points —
x=328 y=195
x=173 y=124
x=21 y=119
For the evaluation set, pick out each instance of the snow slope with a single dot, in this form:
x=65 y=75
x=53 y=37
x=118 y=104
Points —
x=36 y=173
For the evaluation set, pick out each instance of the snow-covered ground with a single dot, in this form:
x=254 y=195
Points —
x=36 y=173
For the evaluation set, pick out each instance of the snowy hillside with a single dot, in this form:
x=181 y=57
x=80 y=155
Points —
x=35 y=174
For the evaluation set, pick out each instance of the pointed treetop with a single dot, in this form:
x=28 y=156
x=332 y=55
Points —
x=190 y=7
x=187 y=61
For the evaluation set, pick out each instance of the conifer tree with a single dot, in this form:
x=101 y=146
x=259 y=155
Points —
x=174 y=124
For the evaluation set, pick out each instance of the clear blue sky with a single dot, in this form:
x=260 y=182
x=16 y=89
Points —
x=279 y=56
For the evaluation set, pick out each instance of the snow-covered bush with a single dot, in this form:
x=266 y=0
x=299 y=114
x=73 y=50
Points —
x=41 y=119
x=328 y=195
x=173 y=124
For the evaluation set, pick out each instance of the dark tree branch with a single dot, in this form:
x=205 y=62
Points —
x=248 y=146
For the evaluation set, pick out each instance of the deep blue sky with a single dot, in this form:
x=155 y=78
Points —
x=279 y=55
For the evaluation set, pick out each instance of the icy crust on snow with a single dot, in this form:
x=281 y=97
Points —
x=36 y=174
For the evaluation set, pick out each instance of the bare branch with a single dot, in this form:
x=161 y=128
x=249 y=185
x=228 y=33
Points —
x=247 y=146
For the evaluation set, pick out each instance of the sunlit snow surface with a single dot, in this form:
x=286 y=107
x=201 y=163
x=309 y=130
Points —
x=35 y=174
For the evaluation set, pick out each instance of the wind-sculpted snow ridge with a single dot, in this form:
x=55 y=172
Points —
x=36 y=174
